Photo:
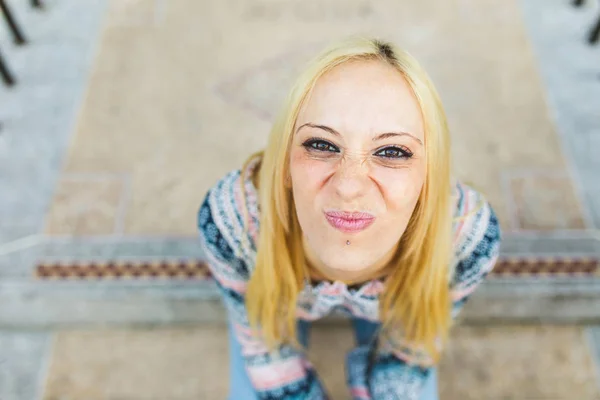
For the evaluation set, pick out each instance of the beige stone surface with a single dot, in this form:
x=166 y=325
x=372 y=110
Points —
x=182 y=91
x=174 y=364
x=86 y=206
x=515 y=363
x=132 y=13
x=497 y=363
x=542 y=203
x=328 y=348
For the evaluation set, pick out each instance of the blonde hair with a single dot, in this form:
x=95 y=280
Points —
x=415 y=304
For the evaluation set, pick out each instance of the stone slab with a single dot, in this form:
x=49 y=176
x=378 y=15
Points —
x=43 y=305
x=148 y=364
x=515 y=362
x=142 y=119
x=39 y=113
x=24 y=360
x=511 y=362
x=568 y=67
x=594 y=345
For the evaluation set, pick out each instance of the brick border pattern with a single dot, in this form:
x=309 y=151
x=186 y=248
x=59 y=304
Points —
x=549 y=267
x=124 y=270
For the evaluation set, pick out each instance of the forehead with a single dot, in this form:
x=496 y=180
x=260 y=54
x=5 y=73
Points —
x=363 y=97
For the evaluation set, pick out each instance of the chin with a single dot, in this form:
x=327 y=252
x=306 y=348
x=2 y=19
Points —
x=345 y=264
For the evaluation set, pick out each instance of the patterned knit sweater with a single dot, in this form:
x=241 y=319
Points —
x=395 y=372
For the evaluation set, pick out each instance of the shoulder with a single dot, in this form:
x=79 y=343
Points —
x=223 y=224
x=217 y=214
x=477 y=235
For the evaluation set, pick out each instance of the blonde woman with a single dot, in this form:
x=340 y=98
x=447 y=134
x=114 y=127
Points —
x=351 y=208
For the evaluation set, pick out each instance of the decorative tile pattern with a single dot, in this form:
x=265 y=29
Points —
x=174 y=269
x=197 y=269
x=547 y=267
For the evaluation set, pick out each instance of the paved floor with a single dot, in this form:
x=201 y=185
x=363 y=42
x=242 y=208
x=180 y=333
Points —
x=153 y=88
x=164 y=93
x=512 y=362
x=122 y=104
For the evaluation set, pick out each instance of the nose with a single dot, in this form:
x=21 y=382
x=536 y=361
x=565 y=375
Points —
x=352 y=178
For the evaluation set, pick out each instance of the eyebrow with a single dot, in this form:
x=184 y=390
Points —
x=376 y=138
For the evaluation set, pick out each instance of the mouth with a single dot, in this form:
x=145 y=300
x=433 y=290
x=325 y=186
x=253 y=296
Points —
x=349 y=222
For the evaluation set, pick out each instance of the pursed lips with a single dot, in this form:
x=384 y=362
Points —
x=349 y=222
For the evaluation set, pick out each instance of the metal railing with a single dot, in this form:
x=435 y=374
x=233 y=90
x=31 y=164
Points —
x=18 y=38
x=594 y=33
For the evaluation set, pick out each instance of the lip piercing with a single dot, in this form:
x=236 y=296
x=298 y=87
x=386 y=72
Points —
x=347 y=242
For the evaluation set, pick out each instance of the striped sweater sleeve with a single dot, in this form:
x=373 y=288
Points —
x=478 y=251
x=281 y=374
x=395 y=371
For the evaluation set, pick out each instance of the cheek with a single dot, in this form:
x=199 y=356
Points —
x=308 y=174
x=401 y=188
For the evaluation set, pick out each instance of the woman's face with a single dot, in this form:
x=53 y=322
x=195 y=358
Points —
x=357 y=166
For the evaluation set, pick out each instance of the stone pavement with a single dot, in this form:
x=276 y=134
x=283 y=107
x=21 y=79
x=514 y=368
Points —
x=126 y=111
x=132 y=89
x=189 y=363
x=178 y=82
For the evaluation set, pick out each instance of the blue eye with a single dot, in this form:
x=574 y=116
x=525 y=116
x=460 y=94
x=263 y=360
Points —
x=390 y=152
x=320 y=145
x=394 y=152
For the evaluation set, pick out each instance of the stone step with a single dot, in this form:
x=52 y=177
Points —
x=93 y=283
x=55 y=304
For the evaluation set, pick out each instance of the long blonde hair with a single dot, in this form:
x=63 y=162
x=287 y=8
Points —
x=415 y=303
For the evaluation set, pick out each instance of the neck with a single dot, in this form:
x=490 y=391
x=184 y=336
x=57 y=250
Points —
x=347 y=277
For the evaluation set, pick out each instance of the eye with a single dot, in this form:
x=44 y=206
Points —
x=394 y=152
x=320 y=145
